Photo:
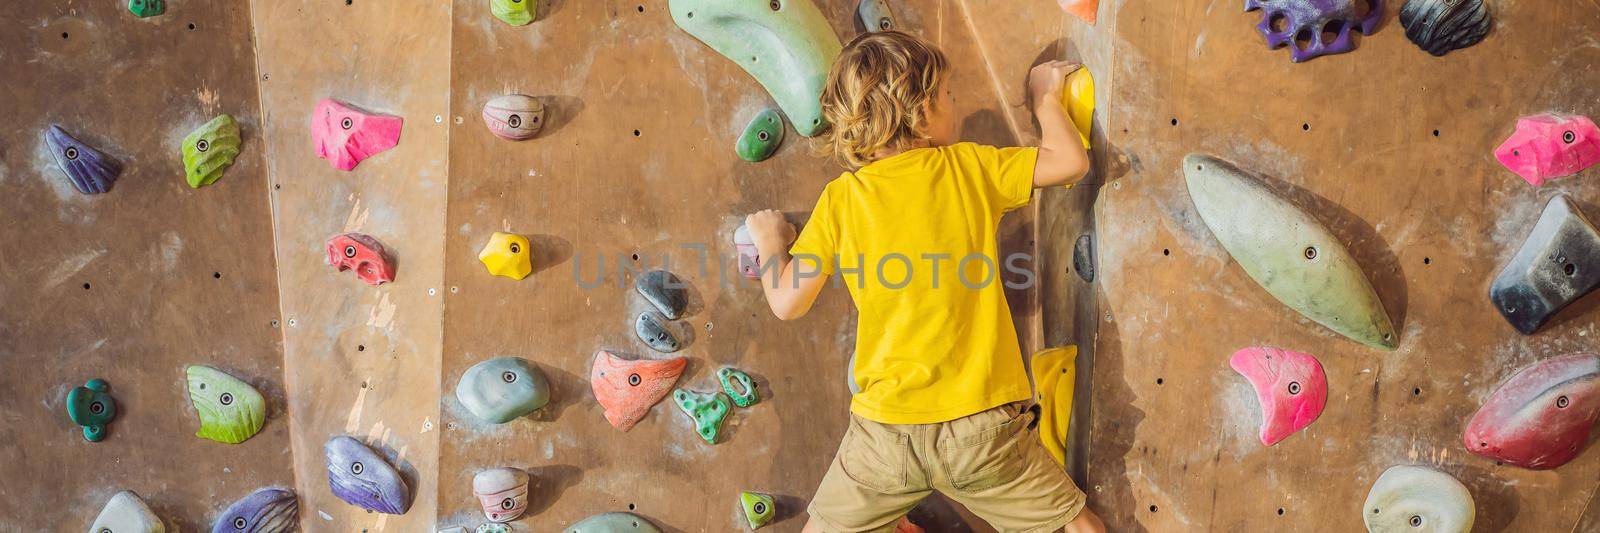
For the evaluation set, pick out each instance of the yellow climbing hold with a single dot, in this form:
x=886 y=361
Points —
x=1054 y=372
x=508 y=254
x=1078 y=98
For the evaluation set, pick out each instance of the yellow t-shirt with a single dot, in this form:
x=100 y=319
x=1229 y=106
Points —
x=913 y=236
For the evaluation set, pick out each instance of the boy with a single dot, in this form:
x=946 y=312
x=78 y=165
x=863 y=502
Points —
x=942 y=390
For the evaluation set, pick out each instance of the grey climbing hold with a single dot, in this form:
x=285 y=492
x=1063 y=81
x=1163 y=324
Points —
x=1558 y=264
x=665 y=291
x=502 y=389
x=1083 y=258
x=875 y=15
x=126 y=513
x=614 y=523
x=653 y=329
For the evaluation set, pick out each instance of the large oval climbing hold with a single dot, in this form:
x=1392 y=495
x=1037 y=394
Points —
x=787 y=45
x=761 y=137
x=230 y=410
x=362 y=478
x=345 y=136
x=627 y=388
x=1291 y=389
x=1294 y=257
x=363 y=254
x=1558 y=263
x=502 y=389
x=92 y=407
x=127 y=513
x=1439 y=26
x=514 y=12
x=1414 y=499
x=90 y=171
x=269 y=510
x=1541 y=417
x=614 y=523
x=209 y=150
x=514 y=117
x=502 y=492
x=1077 y=97
x=507 y=255
x=1550 y=146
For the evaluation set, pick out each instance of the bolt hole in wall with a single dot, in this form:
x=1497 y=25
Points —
x=1152 y=508
x=63 y=35
x=635 y=133
x=1158 y=380
x=1417 y=391
x=1166 y=251
x=191 y=26
x=216 y=275
x=641 y=8
x=1174 y=121
x=1280 y=511
x=1305 y=127
x=1427 y=260
x=85 y=286
x=361 y=347
x=1435 y=133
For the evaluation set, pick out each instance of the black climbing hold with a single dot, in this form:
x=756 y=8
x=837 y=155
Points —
x=652 y=328
x=1558 y=264
x=1439 y=26
x=665 y=291
x=1083 y=258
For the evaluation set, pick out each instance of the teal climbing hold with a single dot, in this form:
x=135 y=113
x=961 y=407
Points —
x=786 y=45
x=759 y=509
x=91 y=406
x=761 y=138
x=147 y=8
x=706 y=410
x=744 y=394
x=614 y=523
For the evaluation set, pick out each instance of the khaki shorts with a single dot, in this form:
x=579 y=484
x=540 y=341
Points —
x=989 y=462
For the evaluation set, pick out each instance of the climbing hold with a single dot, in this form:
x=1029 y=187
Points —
x=759 y=509
x=514 y=117
x=230 y=410
x=89 y=170
x=361 y=478
x=1292 y=255
x=1083 y=257
x=126 y=513
x=1440 y=26
x=614 y=523
x=346 y=137
x=706 y=409
x=739 y=386
x=492 y=527
x=749 y=258
x=1411 y=499
x=514 y=12
x=91 y=406
x=1300 y=24
x=1550 y=146
x=147 y=8
x=1055 y=379
x=653 y=329
x=508 y=255
x=1088 y=10
x=268 y=510
x=875 y=15
x=665 y=291
x=1558 y=264
x=787 y=45
x=761 y=138
x=363 y=254
x=1077 y=97
x=502 y=389
x=210 y=150
x=503 y=493
x=1291 y=389
x=905 y=526
x=1541 y=417
x=627 y=388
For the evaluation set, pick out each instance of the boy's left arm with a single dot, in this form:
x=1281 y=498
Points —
x=1062 y=158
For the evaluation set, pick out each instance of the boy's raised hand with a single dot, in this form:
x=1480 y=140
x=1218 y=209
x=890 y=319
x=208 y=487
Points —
x=769 y=230
x=1045 y=81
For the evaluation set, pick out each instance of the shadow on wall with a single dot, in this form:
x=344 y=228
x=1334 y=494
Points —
x=1495 y=501
x=1110 y=489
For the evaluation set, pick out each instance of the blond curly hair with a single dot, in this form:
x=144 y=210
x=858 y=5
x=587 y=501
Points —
x=878 y=93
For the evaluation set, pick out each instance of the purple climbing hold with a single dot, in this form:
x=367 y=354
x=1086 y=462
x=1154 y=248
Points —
x=1302 y=24
x=269 y=510
x=90 y=170
x=360 y=477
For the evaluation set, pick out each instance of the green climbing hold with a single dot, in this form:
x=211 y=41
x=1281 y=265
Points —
x=745 y=398
x=707 y=410
x=91 y=406
x=492 y=527
x=147 y=8
x=761 y=138
x=230 y=410
x=514 y=12
x=759 y=509
x=210 y=150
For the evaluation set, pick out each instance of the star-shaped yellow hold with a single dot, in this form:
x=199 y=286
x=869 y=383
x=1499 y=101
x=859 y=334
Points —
x=508 y=254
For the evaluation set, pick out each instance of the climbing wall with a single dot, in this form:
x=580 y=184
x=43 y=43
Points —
x=1391 y=148
x=136 y=284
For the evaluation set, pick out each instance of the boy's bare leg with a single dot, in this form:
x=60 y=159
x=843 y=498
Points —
x=811 y=527
x=1086 y=522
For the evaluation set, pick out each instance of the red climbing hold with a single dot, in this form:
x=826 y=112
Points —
x=627 y=388
x=363 y=254
x=1290 y=386
x=1541 y=417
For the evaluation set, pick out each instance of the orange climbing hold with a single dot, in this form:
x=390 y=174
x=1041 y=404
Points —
x=1087 y=10
x=628 y=388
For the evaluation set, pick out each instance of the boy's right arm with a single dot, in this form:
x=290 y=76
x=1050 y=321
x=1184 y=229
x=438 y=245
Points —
x=1062 y=159
x=789 y=294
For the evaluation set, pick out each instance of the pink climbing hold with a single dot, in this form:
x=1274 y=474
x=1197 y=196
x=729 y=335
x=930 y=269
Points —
x=1541 y=417
x=346 y=137
x=1550 y=146
x=749 y=258
x=1290 y=386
